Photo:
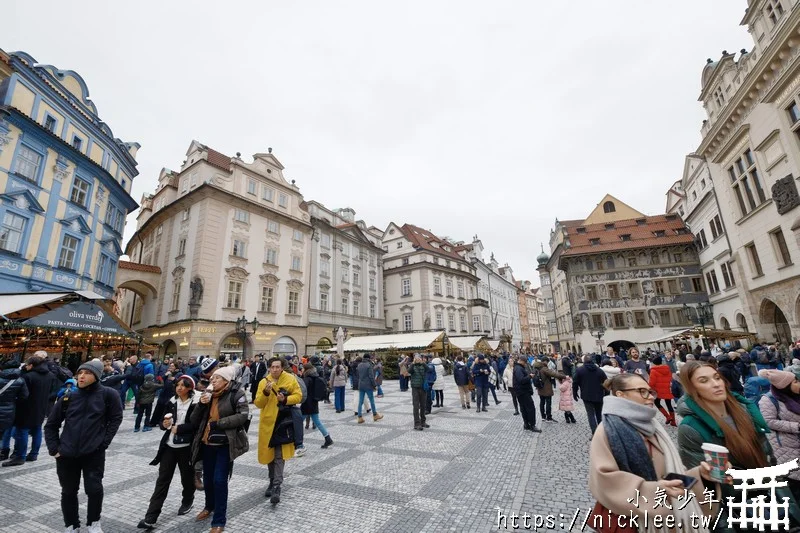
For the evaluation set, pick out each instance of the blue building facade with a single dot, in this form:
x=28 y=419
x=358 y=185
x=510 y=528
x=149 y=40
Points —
x=65 y=183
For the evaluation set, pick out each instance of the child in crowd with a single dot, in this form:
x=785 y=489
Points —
x=565 y=401
x=147 y=395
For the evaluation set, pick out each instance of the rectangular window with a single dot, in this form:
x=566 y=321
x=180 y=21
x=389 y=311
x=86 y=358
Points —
x=356 y=278
x=184 y=185
x=234 y=299
x=273 y=227
x=181 y=247
x=460 y=288
x=372 y=309
x=187 y=213
x=267 y=194
x=271 y=257
x=297 y=235
x=727 y=274
x=476 y=323
x=755 y=261
x=239 y=248
x=701 y=239
x=408 y=325
x=11 y=232
x=439 y=321
x=297 y=263
x=372 y=283
x=193 y=181
x=345 y=275
x=50 y=124
x=619 y=320
x=345 y=306
x=294 y=299
x=451 y=321
x=240 y=215
x=597 y=320
x=591 y=293
x=746 y=183
x=666 y=317
x=356 y=307
x=176 y=295
x=325 y=241
x=114 y=218
x=80 y=192
x=697 y=284
x=774 y=11
x=448 y=287
x=462 y=322
x=324 y=268
x=716 y=227
x=251 y=187
x=323 y=301
x=267 y=299
x=27 y=163
x=640 y=319
x=69 y=251
x=437 y=286
x=780 y=248
x=283 y=200
x=634 y=289
x=711 y=282
x=613 y=291
x=77 y=142
x=632 y=261
x=672 y=286
x=406 y=287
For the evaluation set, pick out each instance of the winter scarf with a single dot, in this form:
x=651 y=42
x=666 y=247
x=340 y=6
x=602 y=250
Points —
x=790 y=400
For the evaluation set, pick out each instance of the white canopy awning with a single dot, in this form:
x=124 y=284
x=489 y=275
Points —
x=10 y=303
x=493 y=344
x=465 y=343
x=666 y=337
x=398 y=341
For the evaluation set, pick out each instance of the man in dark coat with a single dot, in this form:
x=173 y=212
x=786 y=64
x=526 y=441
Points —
x=257 y=372
x=589 y=381
x=31 y=412
x=12 y=390
x=523 y=388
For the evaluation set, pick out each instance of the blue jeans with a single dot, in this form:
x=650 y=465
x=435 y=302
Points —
x=123 y=392
x=371 y=397
x=403 y=383
x=20 y=436
x=216 y=466
x=338 y=398
x=380 y=391
x=317 y=422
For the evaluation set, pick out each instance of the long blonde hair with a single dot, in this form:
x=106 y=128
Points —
x=742 y=441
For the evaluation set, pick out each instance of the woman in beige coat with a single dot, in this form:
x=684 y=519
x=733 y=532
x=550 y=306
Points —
x=630 y=455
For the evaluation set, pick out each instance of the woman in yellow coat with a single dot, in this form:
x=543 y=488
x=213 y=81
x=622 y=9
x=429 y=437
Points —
x=277 y=390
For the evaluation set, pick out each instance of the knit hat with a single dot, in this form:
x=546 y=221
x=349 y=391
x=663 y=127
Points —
x=95 y=366
x=226 y=372
x=208 y=364
x=780 y=379
x=189 y=381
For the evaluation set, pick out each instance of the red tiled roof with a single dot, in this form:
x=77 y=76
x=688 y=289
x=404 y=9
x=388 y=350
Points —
x=139 y=267
x=641 y=235
x=423 y=238
x=219 y=160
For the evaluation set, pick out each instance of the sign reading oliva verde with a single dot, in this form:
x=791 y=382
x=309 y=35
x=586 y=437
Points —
x=79 y=315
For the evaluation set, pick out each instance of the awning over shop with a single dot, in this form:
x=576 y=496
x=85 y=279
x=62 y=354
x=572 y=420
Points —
x=468 y=343
x=666 y=337
x=493 y=344
x=397 y=341
x=684 y=334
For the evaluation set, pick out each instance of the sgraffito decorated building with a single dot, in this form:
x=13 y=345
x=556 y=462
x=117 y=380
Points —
x=65 y=182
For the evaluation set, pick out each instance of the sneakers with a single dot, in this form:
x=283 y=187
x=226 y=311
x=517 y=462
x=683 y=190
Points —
x=144 y=524
x=376 y=417
x=136 y=430
x=300 y=451
x=147 y=428
x=184 y=509
x=94 y=528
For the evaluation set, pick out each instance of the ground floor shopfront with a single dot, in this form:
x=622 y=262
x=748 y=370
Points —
x=199 y=337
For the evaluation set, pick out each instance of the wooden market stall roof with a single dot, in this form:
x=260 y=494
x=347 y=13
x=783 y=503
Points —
x=397 y=341
x=469 y=342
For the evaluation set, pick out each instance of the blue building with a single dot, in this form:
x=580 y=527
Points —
x=65 y=182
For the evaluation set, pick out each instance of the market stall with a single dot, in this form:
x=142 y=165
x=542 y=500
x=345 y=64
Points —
x=469 y=343
x=681 y=336
x=76 y=325
x=427 y=341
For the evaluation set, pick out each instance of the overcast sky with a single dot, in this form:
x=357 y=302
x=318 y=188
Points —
x=487 y=118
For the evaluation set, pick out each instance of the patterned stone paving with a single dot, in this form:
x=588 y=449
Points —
x=378 y=476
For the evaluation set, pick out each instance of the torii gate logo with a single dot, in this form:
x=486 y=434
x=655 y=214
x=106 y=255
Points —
x=758 y=512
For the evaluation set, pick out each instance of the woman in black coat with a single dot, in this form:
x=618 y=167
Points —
x=30 y=413
x=175 y=450
x=12 y=390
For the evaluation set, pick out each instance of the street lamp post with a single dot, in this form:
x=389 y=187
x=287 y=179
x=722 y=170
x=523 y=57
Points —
x=701 y=314
x=241 y=330
x=598 y=332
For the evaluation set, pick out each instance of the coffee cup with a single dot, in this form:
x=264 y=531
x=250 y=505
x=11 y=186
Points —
x=717 y=457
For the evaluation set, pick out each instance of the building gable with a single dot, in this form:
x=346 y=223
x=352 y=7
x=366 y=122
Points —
x=611 y=209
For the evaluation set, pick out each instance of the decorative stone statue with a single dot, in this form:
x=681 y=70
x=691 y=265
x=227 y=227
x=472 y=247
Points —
x=196 y=286
x=785 y=195
x=426 y=322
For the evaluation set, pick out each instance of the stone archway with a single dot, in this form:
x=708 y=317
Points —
x=168 y=347
x=741 y=322
x=774 y=319
x=723 y=322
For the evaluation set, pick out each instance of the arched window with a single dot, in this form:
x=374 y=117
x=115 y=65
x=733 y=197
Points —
x=609 y=207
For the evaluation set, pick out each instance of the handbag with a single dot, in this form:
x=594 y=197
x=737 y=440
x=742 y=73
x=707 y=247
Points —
x=470 y=386
x=283 y=432
x=217 y=437
x=608 y=522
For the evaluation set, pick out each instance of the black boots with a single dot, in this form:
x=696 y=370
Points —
x=328 y=442
x=276 y=495
x=268 y=493
x=4 y=453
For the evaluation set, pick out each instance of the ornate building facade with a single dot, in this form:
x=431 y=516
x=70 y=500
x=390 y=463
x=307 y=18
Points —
x=65 y=182
x=230 y=239
x=533 y=320
x=751 y=150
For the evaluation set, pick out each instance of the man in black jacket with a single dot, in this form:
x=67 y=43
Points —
x=31 y=412
x=257 y=372
x=91 y=416
x=524 y=391
x=589 y=380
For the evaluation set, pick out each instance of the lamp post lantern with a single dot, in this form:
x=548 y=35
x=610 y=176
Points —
x=598 y=332
x=701 y=314
x=241 y=330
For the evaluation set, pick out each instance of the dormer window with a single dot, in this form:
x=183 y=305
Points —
x=640 y=221
x=719 y=96
x=774 y=11
x=610 y=226
x=609 y=207
x=625 y=236
x=595 y=241
x=581 y=230
x=660 y=233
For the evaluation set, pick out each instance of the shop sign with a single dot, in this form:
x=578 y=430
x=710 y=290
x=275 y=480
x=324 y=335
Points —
x=79 y=315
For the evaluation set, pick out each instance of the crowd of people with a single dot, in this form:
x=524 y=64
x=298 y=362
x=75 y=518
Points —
x=746 y=401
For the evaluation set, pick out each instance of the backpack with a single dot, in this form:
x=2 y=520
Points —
x=303 y=390
x=676 y=388
x=538 y=382
x=62 y=373
x=320 y=391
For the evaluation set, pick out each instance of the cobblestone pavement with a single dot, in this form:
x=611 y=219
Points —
x=378 y=476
